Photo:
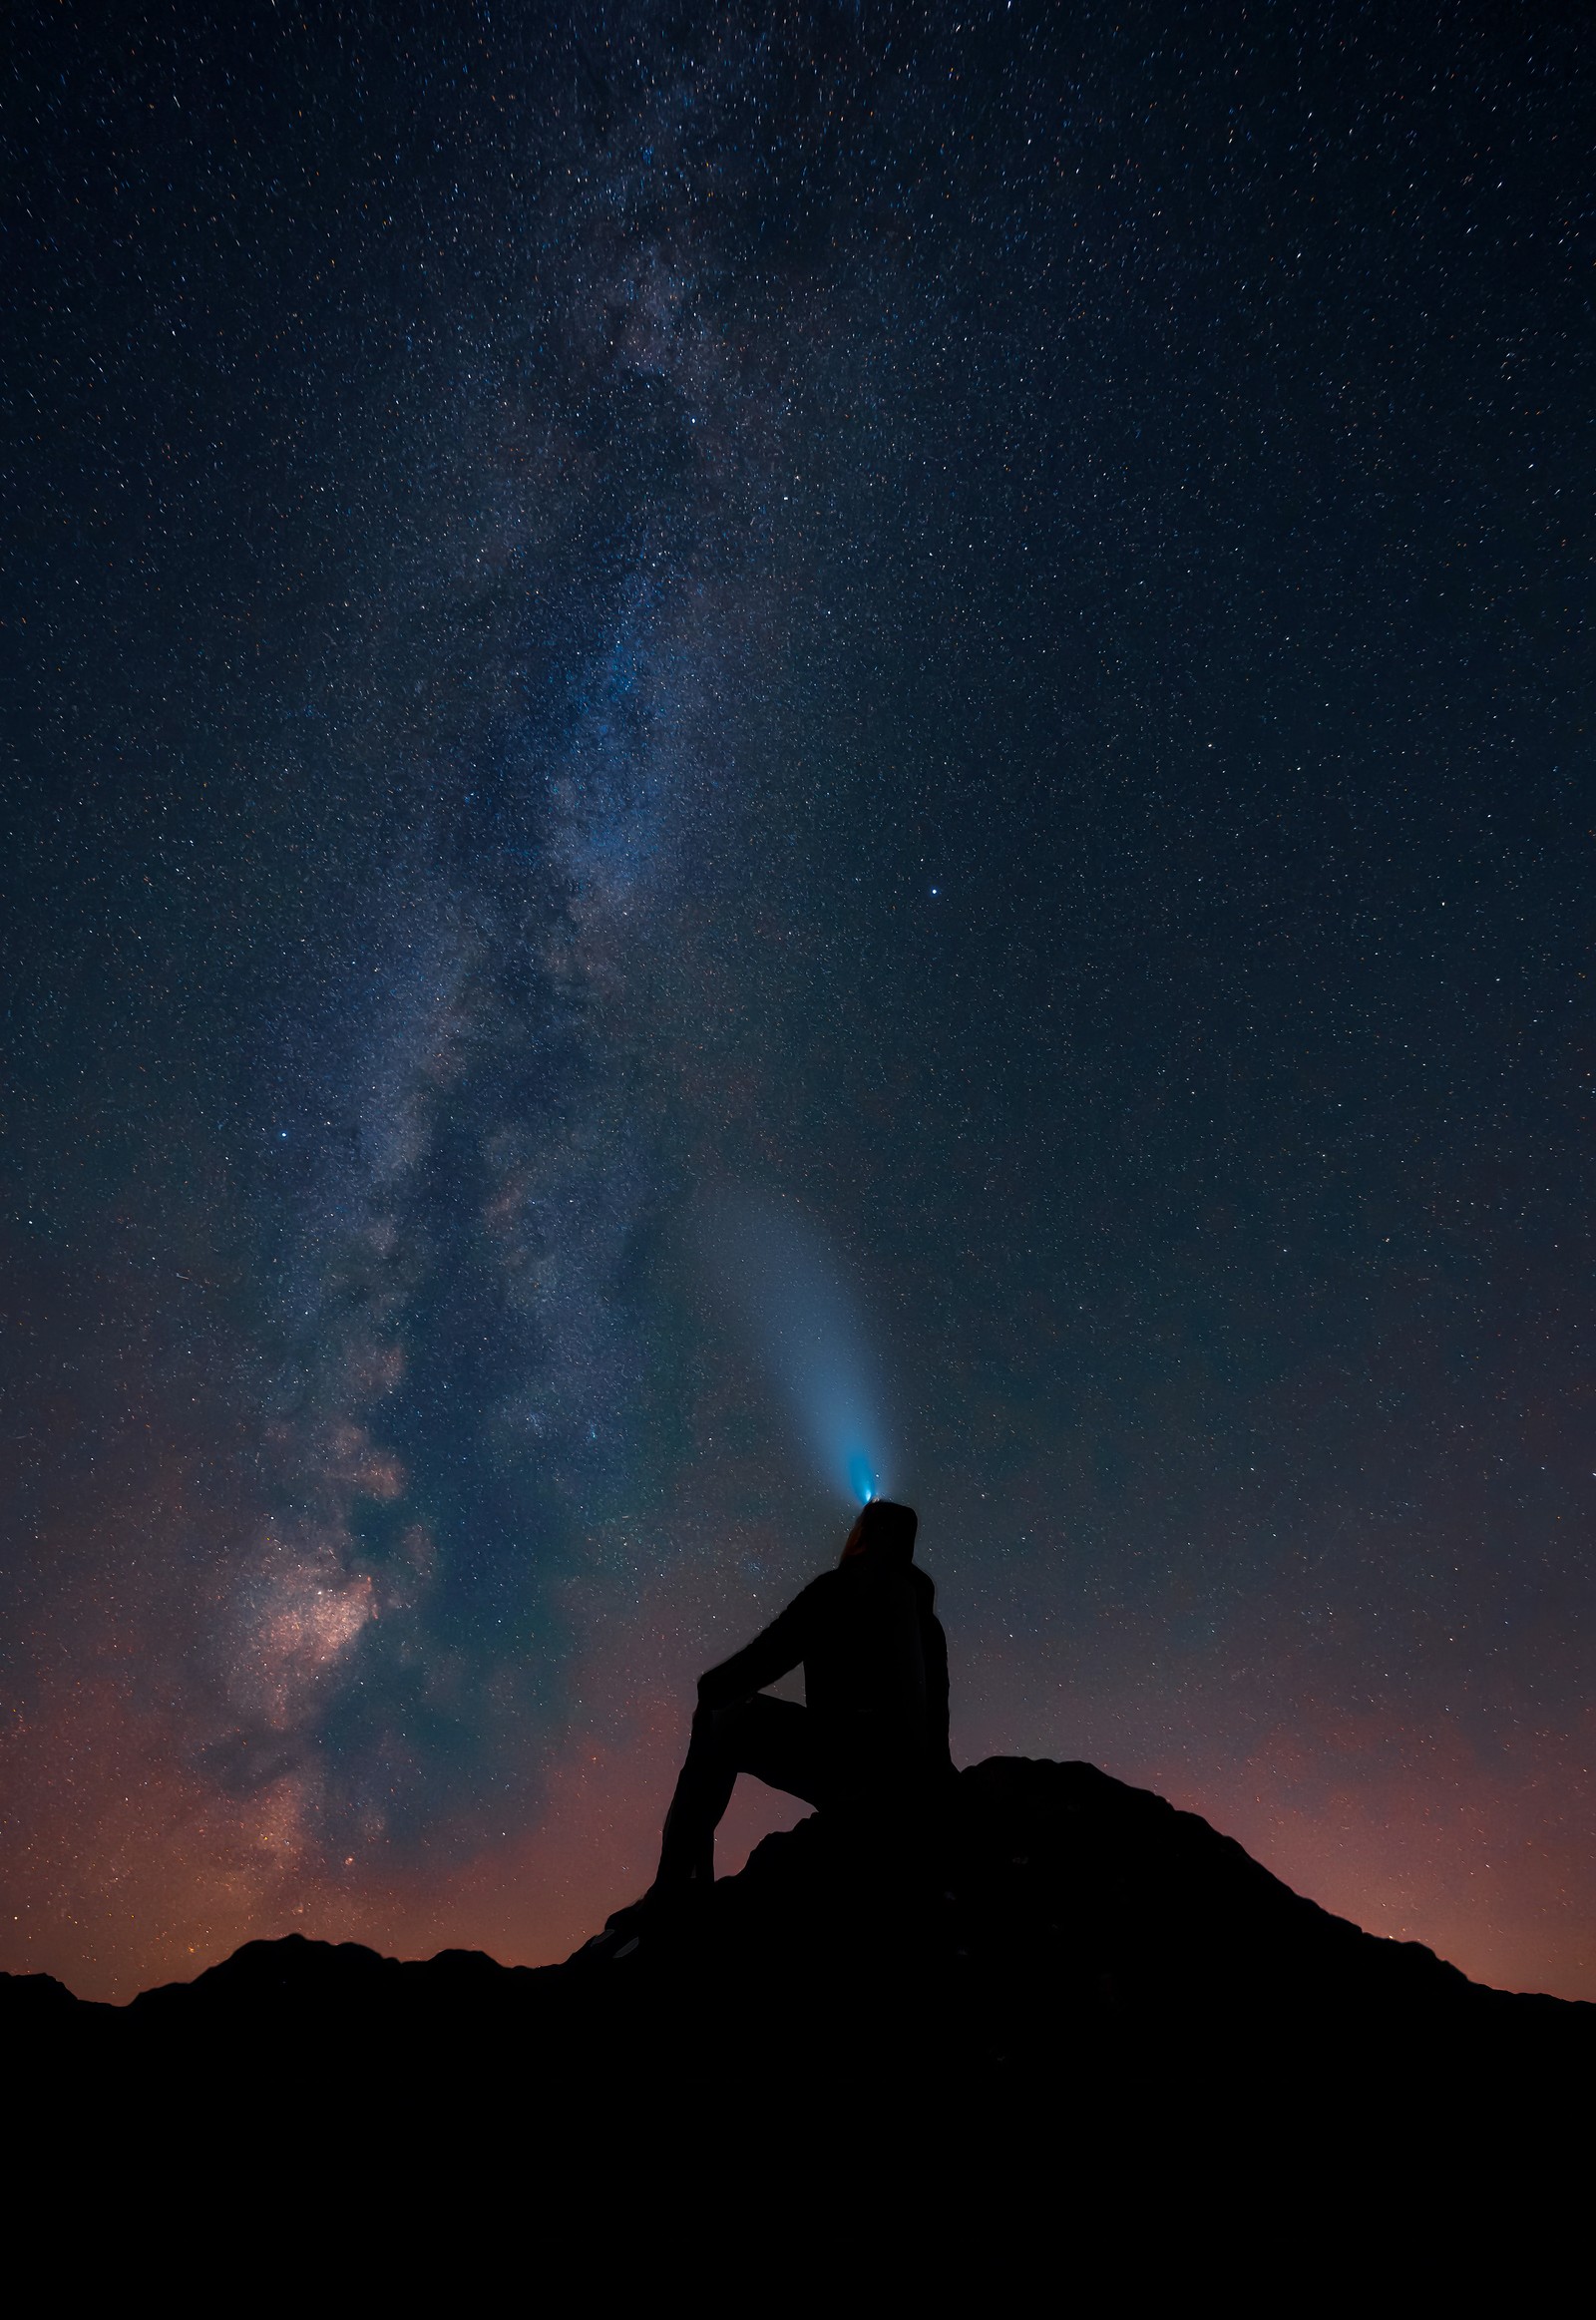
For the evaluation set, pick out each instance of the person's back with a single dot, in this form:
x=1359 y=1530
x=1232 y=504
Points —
x=875 y=1723
x=876 y=1664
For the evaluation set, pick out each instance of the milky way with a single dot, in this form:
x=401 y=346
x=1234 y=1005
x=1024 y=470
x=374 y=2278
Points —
x=952 y=630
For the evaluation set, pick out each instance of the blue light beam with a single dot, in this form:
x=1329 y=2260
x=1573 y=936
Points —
x=786 y=1288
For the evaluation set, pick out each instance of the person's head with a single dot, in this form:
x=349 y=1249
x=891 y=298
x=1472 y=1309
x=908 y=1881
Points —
x=884 y=1529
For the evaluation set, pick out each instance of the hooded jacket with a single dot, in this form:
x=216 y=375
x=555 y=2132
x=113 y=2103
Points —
x=874 y=1657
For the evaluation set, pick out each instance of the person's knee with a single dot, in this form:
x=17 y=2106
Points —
x=718 y=1725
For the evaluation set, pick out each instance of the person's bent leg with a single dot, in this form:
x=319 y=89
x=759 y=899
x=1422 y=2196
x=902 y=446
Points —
x=778 y=1743
x=703 y=1790
x=771 y=1739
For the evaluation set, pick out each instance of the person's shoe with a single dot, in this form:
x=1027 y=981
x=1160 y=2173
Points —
x=620 y=1939
x=624 y=1931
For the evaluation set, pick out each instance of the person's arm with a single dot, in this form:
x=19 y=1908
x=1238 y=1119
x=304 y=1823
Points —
x=782 y=1646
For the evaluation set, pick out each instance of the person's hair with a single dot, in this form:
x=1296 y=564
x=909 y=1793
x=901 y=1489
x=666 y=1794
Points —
x=887 y=1528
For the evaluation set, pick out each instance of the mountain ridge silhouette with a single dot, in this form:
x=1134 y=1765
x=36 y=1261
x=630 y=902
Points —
x=1046 y=1902
x=1058 y=2023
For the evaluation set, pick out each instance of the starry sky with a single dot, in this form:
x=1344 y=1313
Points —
x=716 y=715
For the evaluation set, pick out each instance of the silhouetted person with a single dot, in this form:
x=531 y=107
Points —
x=874 y=1734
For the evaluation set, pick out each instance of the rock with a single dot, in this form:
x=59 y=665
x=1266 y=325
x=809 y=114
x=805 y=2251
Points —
x=1053 y=1976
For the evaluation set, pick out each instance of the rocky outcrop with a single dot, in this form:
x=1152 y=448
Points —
x=1049 y=1951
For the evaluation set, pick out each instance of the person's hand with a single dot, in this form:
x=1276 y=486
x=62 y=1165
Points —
x=713 y=1708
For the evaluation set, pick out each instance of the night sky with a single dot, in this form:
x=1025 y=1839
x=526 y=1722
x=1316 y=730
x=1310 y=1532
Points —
x=724 y=726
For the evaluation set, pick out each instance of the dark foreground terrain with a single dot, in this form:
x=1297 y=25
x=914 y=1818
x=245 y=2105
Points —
x=1062 y=2001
